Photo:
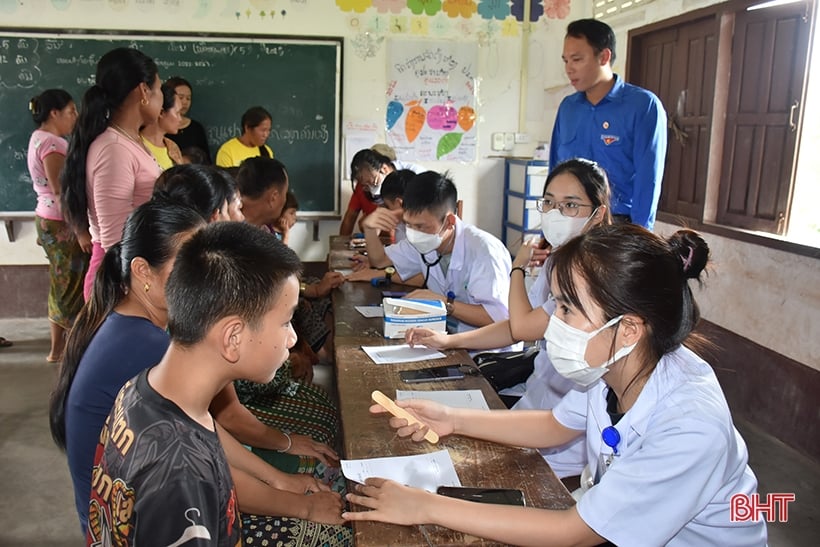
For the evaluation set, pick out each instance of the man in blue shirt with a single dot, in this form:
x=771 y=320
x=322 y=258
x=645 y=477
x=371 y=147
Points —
x=620 y=126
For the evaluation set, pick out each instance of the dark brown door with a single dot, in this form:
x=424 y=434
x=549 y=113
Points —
x=678 y=64
x=769 y=51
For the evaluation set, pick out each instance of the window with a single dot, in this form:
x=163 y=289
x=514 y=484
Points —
x=732 y=79
x=603 y=9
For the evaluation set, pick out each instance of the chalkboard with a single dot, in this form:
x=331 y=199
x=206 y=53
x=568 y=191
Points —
x=297 y=80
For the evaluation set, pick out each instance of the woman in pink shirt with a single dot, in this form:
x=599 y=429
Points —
x=55 y=114
x=108 y=171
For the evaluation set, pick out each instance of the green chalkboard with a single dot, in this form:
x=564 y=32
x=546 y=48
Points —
x=297 y=80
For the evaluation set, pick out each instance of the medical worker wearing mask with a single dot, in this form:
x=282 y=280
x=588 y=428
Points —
x=464 y=267
x=575 y=196
x=665 y=457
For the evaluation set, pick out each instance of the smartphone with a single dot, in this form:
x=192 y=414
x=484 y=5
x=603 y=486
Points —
x=393 y=294
x=502 y=496
x=432 y=374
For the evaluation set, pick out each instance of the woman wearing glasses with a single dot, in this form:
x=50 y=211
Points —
x=576 y=195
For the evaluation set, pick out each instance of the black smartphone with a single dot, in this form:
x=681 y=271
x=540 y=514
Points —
x=502 y=496
x=393 y=294
x=432 y=374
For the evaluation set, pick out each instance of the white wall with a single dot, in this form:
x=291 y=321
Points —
x=768 y=296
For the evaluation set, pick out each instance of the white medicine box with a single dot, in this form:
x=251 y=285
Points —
x=401 y=314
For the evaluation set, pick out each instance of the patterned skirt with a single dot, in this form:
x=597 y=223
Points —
x=301 y=408
x=294 y=407
x=286 y=532
x=67 y=264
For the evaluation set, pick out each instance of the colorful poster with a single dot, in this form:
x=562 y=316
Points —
x=431 y=100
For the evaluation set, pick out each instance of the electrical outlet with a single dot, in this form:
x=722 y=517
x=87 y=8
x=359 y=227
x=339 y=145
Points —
x=522 y=138
x=498 y=142
x=509 y=141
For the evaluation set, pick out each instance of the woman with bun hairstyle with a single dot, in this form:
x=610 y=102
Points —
x=108 y=170
x=54 y=113
x=664 y=457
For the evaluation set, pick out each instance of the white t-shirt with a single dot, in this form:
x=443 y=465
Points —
x=680 y=460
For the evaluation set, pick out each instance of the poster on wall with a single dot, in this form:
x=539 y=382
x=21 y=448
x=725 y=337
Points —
x=431 y=100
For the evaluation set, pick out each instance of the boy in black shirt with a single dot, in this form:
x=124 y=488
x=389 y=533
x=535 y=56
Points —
x=160 y=475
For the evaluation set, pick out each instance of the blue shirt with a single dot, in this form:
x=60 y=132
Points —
x=123 y=347
x=625 y=133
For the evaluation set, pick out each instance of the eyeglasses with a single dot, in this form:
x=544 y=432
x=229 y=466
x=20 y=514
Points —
x=567 y=208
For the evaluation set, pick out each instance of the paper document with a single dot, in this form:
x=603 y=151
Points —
x=370 y=311
x=459 y=398
x=427 y=471
x=402 y=353
x=344 y=271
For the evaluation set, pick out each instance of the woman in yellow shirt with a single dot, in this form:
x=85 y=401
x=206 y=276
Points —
x=164 y=150
x=256 y=126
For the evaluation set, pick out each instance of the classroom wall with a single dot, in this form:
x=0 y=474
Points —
x=768 y=296
x=366 y=37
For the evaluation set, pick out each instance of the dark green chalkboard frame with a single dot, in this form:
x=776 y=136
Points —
x=297 y=79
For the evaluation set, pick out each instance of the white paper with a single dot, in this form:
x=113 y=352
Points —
x=344 y=271
x=403 y=353
x=427 y=471
x=459 y=398
x=370 y=311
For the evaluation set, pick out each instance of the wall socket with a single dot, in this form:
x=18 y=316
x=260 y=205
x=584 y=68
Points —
x=498 y=142
x=503 y=141
x=509 y=141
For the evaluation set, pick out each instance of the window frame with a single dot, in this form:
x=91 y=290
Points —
x=723 y=13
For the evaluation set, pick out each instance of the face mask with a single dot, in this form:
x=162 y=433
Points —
x=559 y=229
x=424 y=243
x=567 y=347
x=376 y=189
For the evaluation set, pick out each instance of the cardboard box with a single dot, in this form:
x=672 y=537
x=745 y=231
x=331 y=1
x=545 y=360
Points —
x=401 y=314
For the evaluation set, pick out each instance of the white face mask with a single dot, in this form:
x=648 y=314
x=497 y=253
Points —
x=423 y=242
x=559 y=229
x=567 y=347
x=376 y=189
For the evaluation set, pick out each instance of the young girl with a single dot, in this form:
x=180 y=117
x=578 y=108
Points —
x=664 y=456
x=576 y=195
x=55 y=113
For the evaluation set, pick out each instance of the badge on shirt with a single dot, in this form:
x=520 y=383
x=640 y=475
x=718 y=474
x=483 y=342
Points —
x=609 y=139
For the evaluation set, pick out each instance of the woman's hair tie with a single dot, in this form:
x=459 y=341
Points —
x=687 y=261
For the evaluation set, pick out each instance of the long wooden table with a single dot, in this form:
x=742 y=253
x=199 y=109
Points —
x=477 y=463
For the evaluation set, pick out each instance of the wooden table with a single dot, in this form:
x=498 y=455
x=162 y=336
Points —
x=477 y=463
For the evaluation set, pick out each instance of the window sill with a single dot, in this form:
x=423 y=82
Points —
x=746 y=236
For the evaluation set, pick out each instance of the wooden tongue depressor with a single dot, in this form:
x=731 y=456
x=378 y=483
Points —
x=397 y=411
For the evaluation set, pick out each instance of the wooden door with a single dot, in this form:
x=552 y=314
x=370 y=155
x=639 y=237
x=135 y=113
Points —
x=769 y=53
x=678 y=64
